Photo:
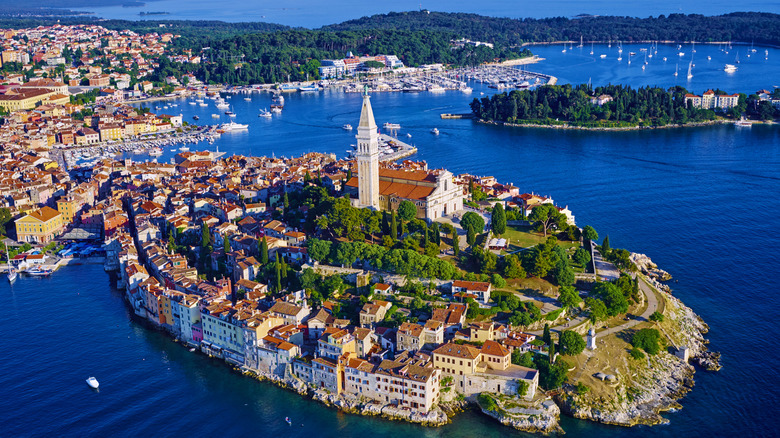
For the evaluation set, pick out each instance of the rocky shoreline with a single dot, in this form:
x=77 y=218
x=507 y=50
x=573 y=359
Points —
x=540 y=415
x=585 y=128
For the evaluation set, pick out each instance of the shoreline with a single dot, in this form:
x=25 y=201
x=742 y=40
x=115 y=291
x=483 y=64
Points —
x=618 y=129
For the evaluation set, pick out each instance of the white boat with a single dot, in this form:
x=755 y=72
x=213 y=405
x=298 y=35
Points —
x=391 y=126
x=664 y=58
x=466 y=90
x=11 y=271
x=743 y=123
x=38 y=272
x=435 y=131
x=223 y=105
x=93 y=383
x=709 y=58
x=248 y=99
x=230 y=113
x=276 y=109
x=730 y=68
x=347 y=127
x=138 y=151
x=233 y=126
x=215 y=116
x=203 y=104
x=265 y=113
x=192 y=350
x=409 y=135
x=602 y=56
x=192 y=103
x=312 y=87
x=184 y=148
x=155 y=152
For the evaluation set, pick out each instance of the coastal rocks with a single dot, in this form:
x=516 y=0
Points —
x=646 y=265
x=350 y=404
x=540 y=415
x=709 y=360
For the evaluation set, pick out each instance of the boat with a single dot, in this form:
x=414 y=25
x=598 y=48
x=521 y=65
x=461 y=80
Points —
x=276 y=109
x=233 y=126
x=248 y=99
x=265 y=113
x=93 y=383
x=591 y=48
x=564 y=48
x=435 y=131
x=312 y=87
x=742 y=122
x=203 y=104
x=709 y=58
x=409 y=135
x=347 y=127
x=676 y=69
x=215 y=116
x=192 y=103
x=288 y=421
x=38 y=272
x=389 y=125
x=155 y=152
x=192 y=350
x=466 y=90
x=690 y=66
x=138 y=151
x=223 y=105
x=664 y=58
x=230 y=113
x=195 y=118
x=602 y=56
x=11 y=271
x=730 y=68
x=277 y=102
x=184 y=148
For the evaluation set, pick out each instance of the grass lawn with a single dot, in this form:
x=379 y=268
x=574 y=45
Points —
x=524 y=237
x=532 y=286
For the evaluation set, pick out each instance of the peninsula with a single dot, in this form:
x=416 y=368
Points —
x=383 y=289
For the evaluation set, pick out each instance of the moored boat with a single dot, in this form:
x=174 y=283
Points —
x=93 y=383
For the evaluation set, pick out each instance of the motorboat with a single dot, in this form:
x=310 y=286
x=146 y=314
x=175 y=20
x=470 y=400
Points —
x=312 y=87
x=155 y=152
x=93 y=383
x=276 y=109
x=742 y=122
x=409 y=135
x=391 y=126
x=184 y=148
x=195 y=118
x=730 y=68
x=265 y=113
x=232 y=126
x=248 y=99
x=39 y=272
x=435 y=131
x=347 y=127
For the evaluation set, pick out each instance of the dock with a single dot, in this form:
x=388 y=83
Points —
x=400 y=149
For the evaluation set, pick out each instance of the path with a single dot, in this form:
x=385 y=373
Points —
x=606 y=270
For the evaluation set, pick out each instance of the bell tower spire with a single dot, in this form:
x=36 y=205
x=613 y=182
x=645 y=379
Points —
x=367 y=156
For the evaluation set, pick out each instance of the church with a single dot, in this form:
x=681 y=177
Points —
x=433 y=192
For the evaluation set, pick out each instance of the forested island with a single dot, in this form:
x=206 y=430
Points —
x=611 y=106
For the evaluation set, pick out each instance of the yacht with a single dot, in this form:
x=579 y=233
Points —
x=39 y=272
x=312 y=87
x=93 y=383
x=743 y=123
x=223 y=105
x=389 y=125
x=435 y=131
x=347 y=127
x=155 y=152
x=730 y=68
x=233 y=126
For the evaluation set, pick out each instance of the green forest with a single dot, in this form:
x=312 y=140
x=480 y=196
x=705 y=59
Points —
x=559 y=104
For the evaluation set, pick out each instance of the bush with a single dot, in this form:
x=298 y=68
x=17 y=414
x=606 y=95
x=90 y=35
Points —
x=657 y=316
x=648 y=340
x=636 y=353
x=582 y=388
x=487 y=402
x=522 y=388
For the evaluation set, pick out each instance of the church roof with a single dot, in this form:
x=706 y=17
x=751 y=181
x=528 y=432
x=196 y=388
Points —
x=399 y=189
x=367 y=114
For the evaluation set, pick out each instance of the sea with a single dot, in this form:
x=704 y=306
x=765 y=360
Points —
x=312 y=13
x=701 y=202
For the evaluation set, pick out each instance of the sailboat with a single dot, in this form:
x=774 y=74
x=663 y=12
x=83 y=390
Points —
x=737 y=56
x=580 y=41
x=591 y=48
x=690 y=65
x=11 y=271
x=564 y=48
x=676 y=69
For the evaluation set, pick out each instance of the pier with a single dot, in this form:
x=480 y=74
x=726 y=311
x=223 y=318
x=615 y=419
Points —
x=400 y=149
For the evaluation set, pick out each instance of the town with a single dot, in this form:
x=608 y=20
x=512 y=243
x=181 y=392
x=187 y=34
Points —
x=377 y=286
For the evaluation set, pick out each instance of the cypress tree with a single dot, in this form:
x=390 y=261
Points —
x=278 y=270
x=455 y=241
x=471 y=236
x=393 y=226
x=205 y=239
x=264 y=251
x=226 y=244
x=605 y=246
x=546 y=337
x=425 y=237
x=551 y=352
x=286 y=201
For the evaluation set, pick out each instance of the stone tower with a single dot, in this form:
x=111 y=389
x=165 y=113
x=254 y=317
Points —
x=367 y=157
x=591 y=339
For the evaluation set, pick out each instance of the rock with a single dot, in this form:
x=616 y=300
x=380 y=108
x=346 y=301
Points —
x=539 y=415
x=708 y=360
x=649 y=268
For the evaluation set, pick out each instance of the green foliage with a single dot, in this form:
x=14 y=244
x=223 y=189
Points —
x=485 y=261
x=557 y=104
x=526 y=314
x=498 y=281
x=647 y=339
x=523 y=359
x=590 y=233
x=605 y=246
x=407 y=210
x=205 y=240
x=472 y=220
x=581 y=256
x=487 y=402
x=264 y=251
x=571 y=343
x=546 y=336
x=522 y=388
x=471 y=237
x=512 y=268
x=547 y=216
x=657 y=316
x=498 y=219
x=563 y=274
x=598 y=310
x=568 y=297
x=5 y=217
x=582 y=388
x=614 y=299
x=553 y=375
x=621 y=258
x=636 y=353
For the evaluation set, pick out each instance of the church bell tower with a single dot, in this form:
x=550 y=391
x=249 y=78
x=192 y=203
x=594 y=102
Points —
x=367 y=156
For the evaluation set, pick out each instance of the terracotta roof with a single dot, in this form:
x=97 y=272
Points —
x=493 y=348
x=455 y=350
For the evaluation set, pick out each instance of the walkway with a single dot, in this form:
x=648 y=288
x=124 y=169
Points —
x=606 y=270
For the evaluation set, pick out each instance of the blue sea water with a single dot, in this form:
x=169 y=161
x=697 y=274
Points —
x=309 y=13
x=702 y=202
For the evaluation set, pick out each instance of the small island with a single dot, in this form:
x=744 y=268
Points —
x=619 y=107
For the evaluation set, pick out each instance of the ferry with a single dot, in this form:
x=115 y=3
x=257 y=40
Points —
x=347 y=127
x=730 y=68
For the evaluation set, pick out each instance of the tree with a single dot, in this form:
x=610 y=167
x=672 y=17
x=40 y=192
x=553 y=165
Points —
x=264 y=251
x=512 y=267
x=522 y=388
x=590 y=233
x=205 y=239
x=605 y=246
x=547 y=216
x=551 y=352
x=568 y=297
x=571 y=343
x=472 y=220
x=647 y=339
x=598 y=310
x=278 y=272
x=498 y=219
x=546 y=337
x=225 y=244
x=498 y=281
x=614 y=299
x=471 y=237
x=393 y=226
x=5 y=217
x=318 y=249
x=563 y=274
x=407 y=211
x=657 y=316
x=286 y=201
x=581 y=256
